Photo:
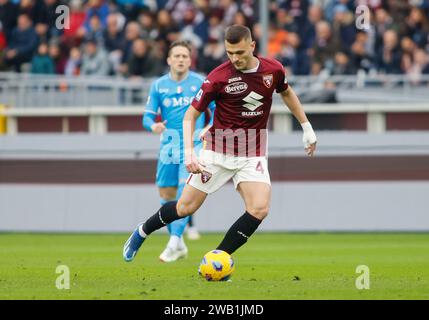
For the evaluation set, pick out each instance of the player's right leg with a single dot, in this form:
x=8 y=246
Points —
x=188 y=203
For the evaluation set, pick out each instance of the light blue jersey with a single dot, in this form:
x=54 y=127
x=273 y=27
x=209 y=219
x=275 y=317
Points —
x=172 y=99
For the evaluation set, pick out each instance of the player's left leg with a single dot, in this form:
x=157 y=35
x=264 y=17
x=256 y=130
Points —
x=253 y=183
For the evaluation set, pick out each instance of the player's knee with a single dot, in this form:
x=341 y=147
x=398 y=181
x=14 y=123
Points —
x=185 y=208
x=259 y=212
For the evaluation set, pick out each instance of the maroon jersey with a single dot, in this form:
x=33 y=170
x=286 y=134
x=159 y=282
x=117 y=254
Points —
x=243 y=103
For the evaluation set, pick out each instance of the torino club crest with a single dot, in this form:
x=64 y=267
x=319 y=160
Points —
x=268 y=80
x=205 y=176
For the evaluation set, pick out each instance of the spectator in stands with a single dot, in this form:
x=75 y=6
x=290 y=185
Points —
x=212 y=55
x=31 y=8
x=250 y=9
x=383 y=22
x=168 y=30
x=113 y=37
x=329 y=8
x=389 y=57
x=216 y=29
x=419 y=66
x=142 y=62
x=284 y=21
x=417 y=26
x=42 y=63
x=177 y=8
x=297 y=9
x=132 y=33
x=200 y=25
x=307 y=35
x=205 y=7
x=94 y=61
x=398 y=10
x=58 y=56
x=324 y=48
x=114 y=41
x=407 y=48
x=94 y=30
x=147 y=22
x=75 y=33
x=360 y=57
x=8 y=16
x=192 y=29
x=342 y=64
x=73 y=63
x=46 y=21
x=289 y=54
x=22 y=44
x=98 y=8
x=308 y=31
x=229 y=8
x=344 y=26
x=42 y=32
x=421 y=61
x=277 y=38
x=241 y=19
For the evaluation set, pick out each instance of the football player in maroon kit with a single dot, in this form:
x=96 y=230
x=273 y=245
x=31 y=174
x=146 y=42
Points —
x=236 y=144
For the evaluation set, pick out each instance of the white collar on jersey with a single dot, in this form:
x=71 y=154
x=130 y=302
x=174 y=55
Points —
x=252 y=70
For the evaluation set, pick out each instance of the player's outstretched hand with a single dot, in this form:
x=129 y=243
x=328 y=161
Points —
x=159 y=127
x=310 y=149
x=192 y=163
x=309 y=138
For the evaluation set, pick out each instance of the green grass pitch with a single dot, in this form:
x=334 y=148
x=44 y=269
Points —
x=269 y=266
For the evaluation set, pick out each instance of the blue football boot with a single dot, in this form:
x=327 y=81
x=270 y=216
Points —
x=132 y=245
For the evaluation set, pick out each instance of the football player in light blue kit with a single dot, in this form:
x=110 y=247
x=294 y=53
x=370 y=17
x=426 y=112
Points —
x=172 y=94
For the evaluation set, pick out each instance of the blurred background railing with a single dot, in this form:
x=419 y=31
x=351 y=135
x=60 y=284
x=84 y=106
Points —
x=32 y=90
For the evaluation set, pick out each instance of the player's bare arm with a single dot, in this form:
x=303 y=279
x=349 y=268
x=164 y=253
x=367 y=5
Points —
x=191 y=160
x=291 y=100
x=208 y=115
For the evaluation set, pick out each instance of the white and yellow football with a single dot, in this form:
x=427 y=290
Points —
x=216 y=265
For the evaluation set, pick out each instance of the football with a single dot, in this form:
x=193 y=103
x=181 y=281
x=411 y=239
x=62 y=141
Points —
x=216 y=265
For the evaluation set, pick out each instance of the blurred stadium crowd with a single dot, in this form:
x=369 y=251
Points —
x=130 y=37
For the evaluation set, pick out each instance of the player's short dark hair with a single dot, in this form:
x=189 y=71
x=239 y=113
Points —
x=180 y=43
x=235 y=33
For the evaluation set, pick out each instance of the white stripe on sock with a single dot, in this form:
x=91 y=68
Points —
x=160 y=218
x=141 y=232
